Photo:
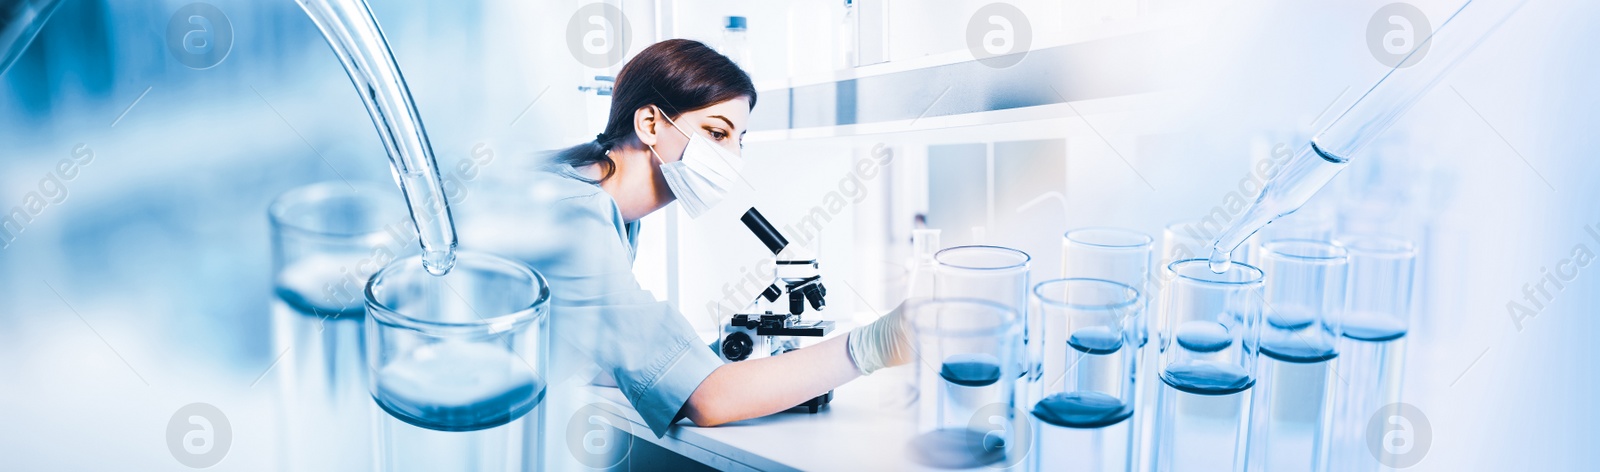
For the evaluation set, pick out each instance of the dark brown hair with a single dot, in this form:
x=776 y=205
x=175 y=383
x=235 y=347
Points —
x=677 y=75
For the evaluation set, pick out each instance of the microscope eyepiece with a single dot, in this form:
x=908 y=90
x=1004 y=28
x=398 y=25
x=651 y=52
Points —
x=764 y=231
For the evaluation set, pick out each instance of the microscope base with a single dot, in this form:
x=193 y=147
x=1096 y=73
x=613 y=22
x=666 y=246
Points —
x=813 y=405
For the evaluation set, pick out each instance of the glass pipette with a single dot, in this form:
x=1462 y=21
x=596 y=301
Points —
x=1330 y=150
x=19 y=23
x=355 y=37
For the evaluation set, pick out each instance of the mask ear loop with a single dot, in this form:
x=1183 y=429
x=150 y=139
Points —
x=658 y=156
x=674 y=126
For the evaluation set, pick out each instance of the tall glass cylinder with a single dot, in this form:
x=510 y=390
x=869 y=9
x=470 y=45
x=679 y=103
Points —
x=1122 y=256
x=459 y=364
x=1376 y=320
x=1087 y=392
x=327 y=239
x=965 y=351
x=996 y=274
x=1294 y=396
x=1207 y=366
x=924 y=244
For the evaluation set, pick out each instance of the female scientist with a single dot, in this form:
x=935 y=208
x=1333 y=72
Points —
x=678 y=112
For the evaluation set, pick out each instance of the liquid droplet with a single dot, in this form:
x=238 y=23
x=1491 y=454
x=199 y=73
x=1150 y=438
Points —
x=438 y=263
x=1220 y=261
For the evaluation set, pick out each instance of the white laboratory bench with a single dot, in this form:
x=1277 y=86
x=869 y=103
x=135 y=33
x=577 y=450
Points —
x=861 y=429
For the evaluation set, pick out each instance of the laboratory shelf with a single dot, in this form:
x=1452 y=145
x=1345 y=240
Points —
x=875 y=100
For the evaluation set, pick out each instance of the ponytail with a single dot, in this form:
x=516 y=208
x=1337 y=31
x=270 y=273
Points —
x=589 y=153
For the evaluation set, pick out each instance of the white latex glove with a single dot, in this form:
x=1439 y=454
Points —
x=882 y=343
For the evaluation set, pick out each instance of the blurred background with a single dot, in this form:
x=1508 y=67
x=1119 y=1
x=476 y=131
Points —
x=142 y=281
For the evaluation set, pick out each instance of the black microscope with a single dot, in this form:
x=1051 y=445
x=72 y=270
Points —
x=797 y=284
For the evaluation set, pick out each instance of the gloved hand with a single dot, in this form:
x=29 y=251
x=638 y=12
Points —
x=882 y=343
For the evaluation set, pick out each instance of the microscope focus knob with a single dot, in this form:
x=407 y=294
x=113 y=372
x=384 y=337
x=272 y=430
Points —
x=737 y=346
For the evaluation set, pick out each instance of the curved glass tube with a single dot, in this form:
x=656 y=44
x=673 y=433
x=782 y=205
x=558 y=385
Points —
x=19 y=24
x=353 y=33
x=1319 y=160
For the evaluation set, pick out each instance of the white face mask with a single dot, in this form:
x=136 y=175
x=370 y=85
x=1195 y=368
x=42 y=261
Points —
x=703 y=176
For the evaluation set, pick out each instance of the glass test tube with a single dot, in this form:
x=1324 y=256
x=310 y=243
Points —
x=924 y=244
x=458 y=362
x=1180 y=240
x=965 y=350
x=992 y=273
x=1117 y=255
x=1121 y=256
x=327 y=239
x=1087 y=391
x=1207 y=366
x=1372 y=351
x=1294 y=395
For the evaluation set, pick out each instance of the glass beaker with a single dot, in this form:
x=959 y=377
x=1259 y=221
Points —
x=1376 y=319
x=966 y=409
x=1207 y=366
x=1088 y=390
x=458 y=363
x=327 y=239
x=1294 y=394
x=993 y=273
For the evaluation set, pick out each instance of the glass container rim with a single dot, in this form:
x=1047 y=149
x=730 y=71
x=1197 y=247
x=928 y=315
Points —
x=277 y=211
x=1276 y=248
x=1174 y=225
x=387 y=315
x=1011 y=322
x=1023 y=264
x=1379 y=245
x=1048 y=300
x=1234 y=265
x=1145 y=239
